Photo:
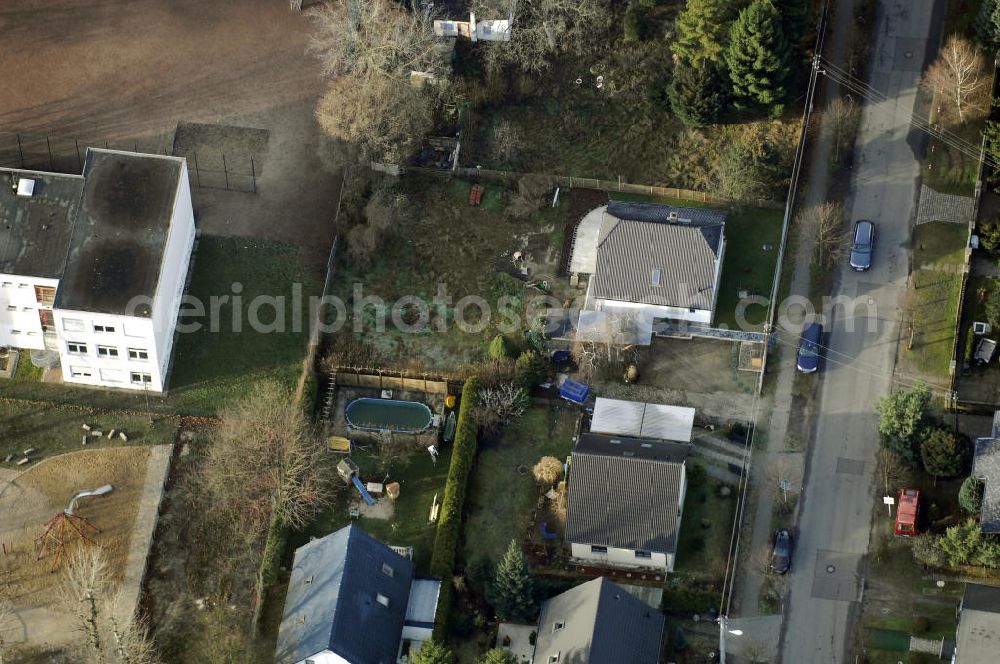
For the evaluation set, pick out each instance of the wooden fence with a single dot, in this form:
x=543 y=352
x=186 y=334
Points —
x=574 y=182
x=389 y=381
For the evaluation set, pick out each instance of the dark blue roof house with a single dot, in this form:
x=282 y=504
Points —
x=352 y=599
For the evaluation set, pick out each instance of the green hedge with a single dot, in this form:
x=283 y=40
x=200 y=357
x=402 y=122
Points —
x=463 y=455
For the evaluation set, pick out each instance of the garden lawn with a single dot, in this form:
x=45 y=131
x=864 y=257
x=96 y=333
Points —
x=706 y=525
x=420 y=480
x=500 y=499
x=748 y=265
x=940 y=242
x=53 y=429
x=213 y=368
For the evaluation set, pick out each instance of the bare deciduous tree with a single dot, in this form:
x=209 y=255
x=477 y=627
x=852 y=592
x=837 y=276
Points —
x=548 y=470
x=364 y=239
x=842 y=120
x=540 y=29
x=386 y=118
x=501 y=405
x=823 y=227
x=369 y=48
x=374 y=38
x=959 y=77
x=891 y=468
x=265 y=459
x=112 y=632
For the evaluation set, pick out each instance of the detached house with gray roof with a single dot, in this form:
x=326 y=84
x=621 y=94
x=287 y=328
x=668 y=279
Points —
x=598 y=623
x=986 y=468
x=626 y=499
x=354 y=600
x=651 y=262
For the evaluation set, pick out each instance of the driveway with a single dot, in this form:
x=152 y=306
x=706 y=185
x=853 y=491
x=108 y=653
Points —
x=838 y=497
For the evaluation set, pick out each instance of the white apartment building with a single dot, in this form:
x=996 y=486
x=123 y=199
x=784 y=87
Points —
x=94 y=266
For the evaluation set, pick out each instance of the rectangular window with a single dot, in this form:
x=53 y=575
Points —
x=107 y=351
x=558 y=625
x=554 y=659
x=598 y=549
x=644 y=554
x=8 y=284
x=32 y=333
x=22 y=285
x=112 y=375
x=11 y=307
x=45 y=295
x=138 y=354
x=72 y=324
x=15 y=331
x=104 y=328
x=382 y=599
x=76 y=348
x=139 y=378
x=387 y=569
x=79 y=372
x=25 y=308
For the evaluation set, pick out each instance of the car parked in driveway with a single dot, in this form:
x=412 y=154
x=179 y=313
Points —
x=781 y=552
x=807 y=359
x=862 y=245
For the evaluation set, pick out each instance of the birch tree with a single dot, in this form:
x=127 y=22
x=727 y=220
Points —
x=958 y=77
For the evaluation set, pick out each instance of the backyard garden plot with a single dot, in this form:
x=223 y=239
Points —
x=440 y=241
x=978 y=384
x=122 y=521
x=503 y=495
x=404 y=521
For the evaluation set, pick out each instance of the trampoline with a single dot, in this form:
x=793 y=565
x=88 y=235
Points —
x=369 y=414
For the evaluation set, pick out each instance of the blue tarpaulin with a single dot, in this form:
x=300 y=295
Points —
x=574 y=391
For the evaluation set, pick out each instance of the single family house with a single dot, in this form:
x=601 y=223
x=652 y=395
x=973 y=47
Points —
x=598 y=623
x=354 y=600
x=626 y=499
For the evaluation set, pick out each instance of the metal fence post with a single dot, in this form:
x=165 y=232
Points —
x=253 y=174
x=197 y=171
x=48 y=144
x=20 y=150
x=225 y=170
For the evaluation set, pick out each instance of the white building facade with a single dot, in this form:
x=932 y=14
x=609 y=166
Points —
x=114 y=268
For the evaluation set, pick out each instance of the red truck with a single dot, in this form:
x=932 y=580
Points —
x=906 y=513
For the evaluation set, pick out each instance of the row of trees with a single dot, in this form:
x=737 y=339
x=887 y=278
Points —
x=728 y=50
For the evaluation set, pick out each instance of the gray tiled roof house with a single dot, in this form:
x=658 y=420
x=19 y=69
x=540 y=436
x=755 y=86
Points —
x=653 y=258
x=986 y=467
x=978 y=637
x=348 y=594
x=626 y=493
x=598 y=623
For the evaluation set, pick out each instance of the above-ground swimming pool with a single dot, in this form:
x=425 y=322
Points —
x=373 y=414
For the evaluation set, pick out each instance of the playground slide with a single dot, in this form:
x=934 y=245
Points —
x=362 y=490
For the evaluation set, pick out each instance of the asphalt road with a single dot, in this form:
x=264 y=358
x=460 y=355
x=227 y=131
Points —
x=838 y=497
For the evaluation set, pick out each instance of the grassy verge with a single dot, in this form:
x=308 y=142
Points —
x=52 y=429
x=935 y=288
x=501 y=499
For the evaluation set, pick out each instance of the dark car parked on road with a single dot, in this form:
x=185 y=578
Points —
x=781 y=554
x=863 y=245
x=808 y=355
